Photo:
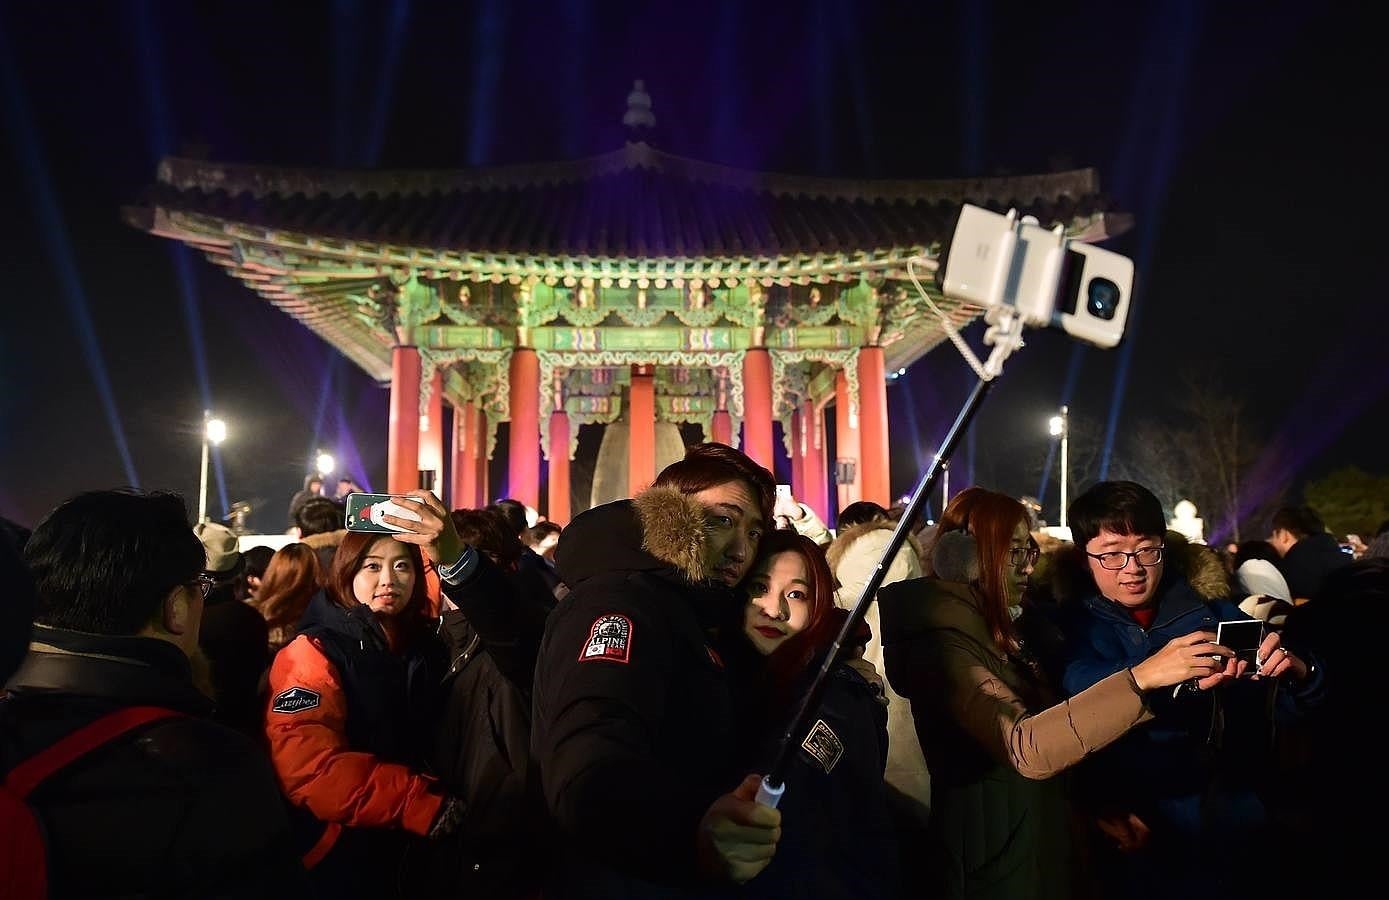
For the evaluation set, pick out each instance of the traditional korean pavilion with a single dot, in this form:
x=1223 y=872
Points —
x=635 y=286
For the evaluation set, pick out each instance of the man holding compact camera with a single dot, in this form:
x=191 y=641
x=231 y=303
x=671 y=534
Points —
x=1177 y=799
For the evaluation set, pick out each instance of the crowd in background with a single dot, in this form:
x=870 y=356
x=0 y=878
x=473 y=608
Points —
x=481 y=704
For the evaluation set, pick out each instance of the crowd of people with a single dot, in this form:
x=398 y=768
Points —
x=478 y=704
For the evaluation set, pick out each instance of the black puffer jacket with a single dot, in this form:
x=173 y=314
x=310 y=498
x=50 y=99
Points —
x=633 y=721
x=183 y=807
x=481 y=750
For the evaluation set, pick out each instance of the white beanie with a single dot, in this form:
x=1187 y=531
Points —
x=1259 y=576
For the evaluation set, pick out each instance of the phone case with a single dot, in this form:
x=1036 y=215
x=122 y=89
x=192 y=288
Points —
x=364 y=512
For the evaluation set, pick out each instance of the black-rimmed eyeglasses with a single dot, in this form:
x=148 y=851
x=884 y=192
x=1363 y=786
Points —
x=1114 y=560
x=1022 y=557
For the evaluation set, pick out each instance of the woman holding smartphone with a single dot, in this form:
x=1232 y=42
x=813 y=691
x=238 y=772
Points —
x=351 y=701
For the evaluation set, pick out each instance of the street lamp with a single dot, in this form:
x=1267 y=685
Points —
x=1059 y=426
x=326 y=463
x=214 y=432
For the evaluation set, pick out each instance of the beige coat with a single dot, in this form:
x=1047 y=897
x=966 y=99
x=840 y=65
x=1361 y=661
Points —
x=993 y=740
x=852 y=558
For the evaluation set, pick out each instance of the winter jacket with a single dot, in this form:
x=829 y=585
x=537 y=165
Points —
x=347 y=721
x=481 y=748
x=853 y=557
x=632 y=716
x=1192 y=772
x=182 y=807
x=234 y=638
x=838 y=838
x=1308 y=562
x=994 y=742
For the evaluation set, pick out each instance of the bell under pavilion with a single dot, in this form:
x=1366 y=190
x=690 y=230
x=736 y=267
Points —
x=636 y=289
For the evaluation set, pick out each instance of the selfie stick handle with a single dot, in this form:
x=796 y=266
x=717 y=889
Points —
x=775 y=780
x=769 y=794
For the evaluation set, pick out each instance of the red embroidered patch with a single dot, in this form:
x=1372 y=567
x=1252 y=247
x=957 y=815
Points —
x=609 y=639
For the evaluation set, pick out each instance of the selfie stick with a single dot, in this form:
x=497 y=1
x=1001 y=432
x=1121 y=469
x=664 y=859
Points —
x=774 y=782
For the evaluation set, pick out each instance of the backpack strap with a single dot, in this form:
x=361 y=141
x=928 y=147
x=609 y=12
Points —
x=29 y=774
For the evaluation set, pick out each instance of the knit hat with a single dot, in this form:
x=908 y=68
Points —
x=223 y=557
x=1261 y=577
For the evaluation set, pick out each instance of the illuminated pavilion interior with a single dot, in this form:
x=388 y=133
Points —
x=635 y=287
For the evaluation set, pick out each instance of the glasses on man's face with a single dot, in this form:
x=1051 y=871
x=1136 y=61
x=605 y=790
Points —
x=1114 y=560
x=205 y=583
x=1022 y=557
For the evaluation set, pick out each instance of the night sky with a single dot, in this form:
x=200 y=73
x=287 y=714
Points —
x=1237 y=134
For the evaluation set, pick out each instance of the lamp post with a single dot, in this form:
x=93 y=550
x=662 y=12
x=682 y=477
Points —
x=1059 y=426
x=214 y=432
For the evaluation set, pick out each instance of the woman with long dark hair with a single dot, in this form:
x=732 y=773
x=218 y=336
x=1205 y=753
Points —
x=837 y=837
x=989 y=723
x=352 y=697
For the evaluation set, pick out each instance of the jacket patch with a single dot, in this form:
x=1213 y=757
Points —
x=609 y=639
x=823 y=745
x=294 y=700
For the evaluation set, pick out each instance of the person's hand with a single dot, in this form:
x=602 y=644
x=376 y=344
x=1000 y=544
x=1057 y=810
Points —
x=434 y=532
x=1184 y=658
x=737 y=837
x=1127 y=831
x=786 y=510
x=1275 y=661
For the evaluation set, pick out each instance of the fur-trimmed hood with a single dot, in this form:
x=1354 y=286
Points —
x=324 y=539
x=662 y=529
x=1064 y=574
x=845 y=539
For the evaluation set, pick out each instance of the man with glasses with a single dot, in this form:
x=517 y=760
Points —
x=1163 y=791
x=154 y=799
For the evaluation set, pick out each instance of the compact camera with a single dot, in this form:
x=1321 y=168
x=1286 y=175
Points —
x=1048 y=279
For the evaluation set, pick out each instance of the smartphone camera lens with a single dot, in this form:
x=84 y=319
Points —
x=1102 y=298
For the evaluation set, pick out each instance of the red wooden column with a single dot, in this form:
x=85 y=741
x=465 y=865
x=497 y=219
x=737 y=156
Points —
x=524 y=465
x=464 y=469
x=559 y=468
x=432 y=433
x=875 y=474
x=641 y=443
x=757 y=405
x=846 y=439
x=403 y=437
x=721 y=429
x=797 y=456
x=483 y=463
x=817 y=486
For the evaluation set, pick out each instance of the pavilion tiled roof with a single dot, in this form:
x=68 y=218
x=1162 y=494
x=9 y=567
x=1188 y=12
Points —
x=636 y=202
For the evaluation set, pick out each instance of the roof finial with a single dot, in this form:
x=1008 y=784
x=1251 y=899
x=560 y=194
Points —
x=638 y=113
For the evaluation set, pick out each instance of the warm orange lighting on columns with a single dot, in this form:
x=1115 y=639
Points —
x=558 y=510
x=757 y=406
x=403 y=436
x=846 y=440
x=523 y=473
x=874 y=470
x=641 y=443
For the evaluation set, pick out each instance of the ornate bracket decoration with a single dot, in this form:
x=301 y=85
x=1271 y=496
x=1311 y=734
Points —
x=486 y=373
x=703 y=306
x=557 y=361
x=843 y=360
x=862 y=305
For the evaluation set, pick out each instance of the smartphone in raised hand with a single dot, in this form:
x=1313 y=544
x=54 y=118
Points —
x=366 y=512
x=1242 y=636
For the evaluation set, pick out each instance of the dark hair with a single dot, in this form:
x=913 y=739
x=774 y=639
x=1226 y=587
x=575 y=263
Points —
x=541 y=530
x=1299 y=521
x=1123 y=507
x=513 y=512
x=1248 y=550
x=787 y=663
x=290 y=581
x=859 y=512
x=104 y=561
x=351 y=555
x=490 y=532
x=991 y=518
x=257 y=559
x=709 y=465
x=320 y=515
x=16 y=609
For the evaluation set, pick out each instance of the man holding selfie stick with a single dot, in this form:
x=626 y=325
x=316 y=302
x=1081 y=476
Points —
x=1177 y=800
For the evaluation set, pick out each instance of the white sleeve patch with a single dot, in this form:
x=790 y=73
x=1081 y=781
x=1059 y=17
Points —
x=823 y=745
x=295 y=700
